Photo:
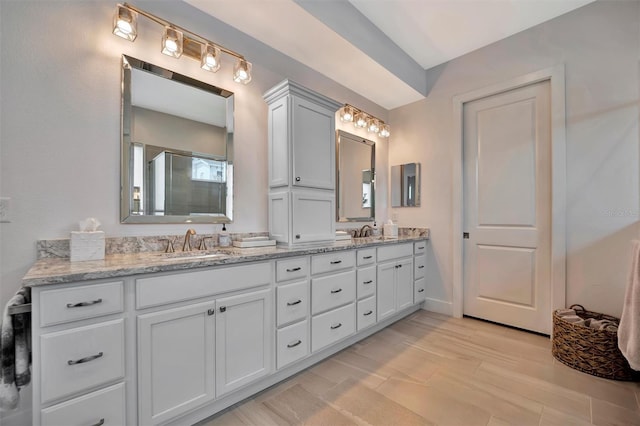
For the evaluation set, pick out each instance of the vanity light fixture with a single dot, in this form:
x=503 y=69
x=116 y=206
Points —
x=242 y=72
x=125 y=23
x=210 y=58
x=178 y=42
x=361 y=119
x=172 y=40
x=346 y=114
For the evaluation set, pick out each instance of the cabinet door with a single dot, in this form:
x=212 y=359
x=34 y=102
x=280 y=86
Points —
x=175 y=361
x=244 y=332
x=386 y=290
x=404 y=283
x=279 y=143
x=313 y=216
x=313 y=145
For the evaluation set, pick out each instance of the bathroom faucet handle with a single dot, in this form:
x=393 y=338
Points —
x=169 y=248
x=203 y=243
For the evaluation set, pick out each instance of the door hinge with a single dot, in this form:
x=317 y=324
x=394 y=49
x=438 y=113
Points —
x=465 y=235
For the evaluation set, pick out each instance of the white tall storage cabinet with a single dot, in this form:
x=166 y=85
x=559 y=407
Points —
x=302 y=154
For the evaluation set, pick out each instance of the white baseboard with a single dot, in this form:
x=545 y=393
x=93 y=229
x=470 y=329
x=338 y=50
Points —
x=438 y=306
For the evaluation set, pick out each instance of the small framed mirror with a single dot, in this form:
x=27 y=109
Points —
x=355 y=177
x=405 y=185
x=177 y=147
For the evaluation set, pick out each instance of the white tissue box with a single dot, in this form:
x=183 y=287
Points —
x=87 y=245
x=390 y=231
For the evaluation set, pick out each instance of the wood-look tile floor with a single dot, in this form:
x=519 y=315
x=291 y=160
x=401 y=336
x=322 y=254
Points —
x=430 y=369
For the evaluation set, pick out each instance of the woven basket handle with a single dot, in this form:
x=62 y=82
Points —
x=577 y=306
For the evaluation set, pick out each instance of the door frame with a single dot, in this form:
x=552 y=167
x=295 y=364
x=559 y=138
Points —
x=556 y=77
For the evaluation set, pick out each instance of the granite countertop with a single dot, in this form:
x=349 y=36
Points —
x=62 y=270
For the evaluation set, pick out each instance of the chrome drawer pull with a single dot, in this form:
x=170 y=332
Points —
x=293 y=345
x=333 y=327
x=367 y=282
x=81 y=304
x=421 y=266
x=368 y=313
x=100 y=423
x=294 y=303
x=335 y=262
x=421 y=290
x=336 y=291
x=85 y=359
x=367 y=257
x=294 y=269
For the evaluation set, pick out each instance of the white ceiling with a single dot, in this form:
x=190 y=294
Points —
x=354 y=42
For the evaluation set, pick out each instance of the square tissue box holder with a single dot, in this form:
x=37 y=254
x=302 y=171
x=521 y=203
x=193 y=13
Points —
x=390 y=230
x=87 y=245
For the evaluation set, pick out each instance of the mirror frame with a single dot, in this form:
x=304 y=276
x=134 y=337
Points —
x=126 y=168
x=341 y=134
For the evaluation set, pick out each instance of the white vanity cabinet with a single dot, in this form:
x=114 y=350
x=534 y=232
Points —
x=419 y=271
x=301 y=164
x=78 y=339
x=293 y=302
x=395 y=286
x=333 y=296
x=366 y=288
x=193 y=354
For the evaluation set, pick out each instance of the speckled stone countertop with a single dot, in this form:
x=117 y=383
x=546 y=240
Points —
x=61 y=270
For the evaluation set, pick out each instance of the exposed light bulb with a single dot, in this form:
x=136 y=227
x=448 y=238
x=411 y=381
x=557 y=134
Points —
x=210 y=58
x=360 y=120
x=242 y=72
x=172 y=42
x=125 y=23
x=346 y=114
x=373 y=125
x=385 y=131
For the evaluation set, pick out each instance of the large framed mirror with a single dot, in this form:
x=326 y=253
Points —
x=355 y=178
x=405 y=185
x=177 y=147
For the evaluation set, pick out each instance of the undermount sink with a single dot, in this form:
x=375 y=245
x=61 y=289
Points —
x=191 y=255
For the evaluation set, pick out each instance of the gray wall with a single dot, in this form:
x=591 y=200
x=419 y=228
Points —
x=599 y=46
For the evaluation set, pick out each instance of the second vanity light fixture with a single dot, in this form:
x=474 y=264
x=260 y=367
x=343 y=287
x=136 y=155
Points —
x=359 y=118
x=176 y=42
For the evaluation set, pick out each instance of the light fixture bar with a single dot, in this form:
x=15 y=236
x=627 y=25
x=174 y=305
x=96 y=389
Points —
x=188 y=34
x=362 y=119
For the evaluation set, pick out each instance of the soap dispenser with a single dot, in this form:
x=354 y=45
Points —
x=224 y=240
x=375 y=230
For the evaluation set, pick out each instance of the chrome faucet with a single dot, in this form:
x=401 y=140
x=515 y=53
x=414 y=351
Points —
x=187 y=239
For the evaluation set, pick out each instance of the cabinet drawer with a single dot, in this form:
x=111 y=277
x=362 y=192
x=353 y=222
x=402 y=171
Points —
x=366 y=313
x=420 y=267
x=419 y=248
x=292 y=302
x=165 y=289
x=103 y=407
x=366 y=282
x=291 y=269
x=322 y=263
x=293 y=343
x=81 y=358
x=395 y=252
x=77 y=303
x=366 y=256
x=332 y=291
x=420 y=290
x=332 y=326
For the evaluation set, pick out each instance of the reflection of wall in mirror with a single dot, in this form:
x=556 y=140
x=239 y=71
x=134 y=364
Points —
x=172 y=132
x=355 y=157
x=409 y=184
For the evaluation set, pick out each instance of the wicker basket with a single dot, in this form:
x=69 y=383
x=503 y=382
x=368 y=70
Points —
x=589 y=350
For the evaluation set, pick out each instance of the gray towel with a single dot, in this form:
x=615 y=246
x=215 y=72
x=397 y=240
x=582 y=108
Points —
x=15 y=349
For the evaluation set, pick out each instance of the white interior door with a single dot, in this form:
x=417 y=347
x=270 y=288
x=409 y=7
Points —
x=507 y=196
